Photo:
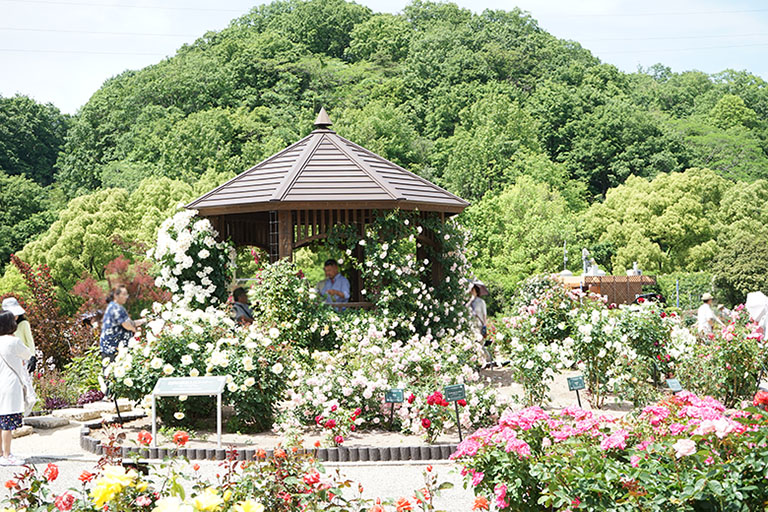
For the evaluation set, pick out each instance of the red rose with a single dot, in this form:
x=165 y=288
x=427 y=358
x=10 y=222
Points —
x=145 y=438
x=338 y=439
x=462 y=402
x=51 y=472
x=86 y=476
x=352 y=428
x=411 y=398
x=318 y=419
x=425 y=422
x=64 y=502
x=312 y=478
x=761 y=398
x=330 y=423
x=180 y=438
x=11 y=484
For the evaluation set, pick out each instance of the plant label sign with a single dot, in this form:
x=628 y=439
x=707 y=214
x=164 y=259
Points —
x=394 y=396
x=189 y=386
x=674 y=385
x=455 y=392
x=576 y=383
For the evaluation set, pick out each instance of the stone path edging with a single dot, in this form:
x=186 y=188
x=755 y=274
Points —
x=340 y=454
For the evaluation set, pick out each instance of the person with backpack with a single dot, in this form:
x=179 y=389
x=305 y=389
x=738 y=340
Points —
x=13 y=402
x=23 y=329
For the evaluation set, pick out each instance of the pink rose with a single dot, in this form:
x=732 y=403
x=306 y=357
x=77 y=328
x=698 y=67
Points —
x=634 y=460
x=684 y=447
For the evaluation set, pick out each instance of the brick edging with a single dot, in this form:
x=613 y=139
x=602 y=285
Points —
x=339 y=454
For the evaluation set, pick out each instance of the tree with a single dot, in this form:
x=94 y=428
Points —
x=741 y=264
x=86 y=236
x=31 y=136
x=518 y=233
x=25 y=212
x=494 y=132
x=731 y=111
x=382 y=38
x=658 y=223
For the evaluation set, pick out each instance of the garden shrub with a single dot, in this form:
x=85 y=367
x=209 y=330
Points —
x=282 y=296
x=371 y=359
x=82 y=373
x=729 y=364
x=194 y=267
x=685 y=453
x=58 y=337
x=181 y=343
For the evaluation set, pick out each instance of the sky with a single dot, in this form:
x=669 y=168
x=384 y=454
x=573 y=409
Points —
x=62 y=51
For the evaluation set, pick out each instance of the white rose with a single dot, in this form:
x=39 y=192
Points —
x=178 y=415
x=529 y=364
x=274 y=333
x=186 y=360
x=250 y=381
x=277 y=368
x=156 y=363
x=128 y=382
x=194 y=372
x=168 y=369
x=232 y=387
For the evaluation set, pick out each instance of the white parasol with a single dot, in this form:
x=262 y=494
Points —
x=757 y=305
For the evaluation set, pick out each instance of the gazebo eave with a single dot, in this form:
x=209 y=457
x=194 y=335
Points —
x=448 y=209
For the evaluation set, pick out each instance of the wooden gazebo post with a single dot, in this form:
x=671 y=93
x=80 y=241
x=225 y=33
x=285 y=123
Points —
x=296 y=196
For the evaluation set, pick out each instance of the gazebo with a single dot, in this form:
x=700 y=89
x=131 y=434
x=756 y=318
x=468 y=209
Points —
x=297 y=195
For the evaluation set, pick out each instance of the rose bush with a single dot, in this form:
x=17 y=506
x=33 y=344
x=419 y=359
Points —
x=685 y=453
x=193 y=266
x=729 y=365
x=370 y=361
x=188 y=343
x=282 y=481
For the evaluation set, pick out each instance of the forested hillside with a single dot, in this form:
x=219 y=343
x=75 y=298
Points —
x=546 y=141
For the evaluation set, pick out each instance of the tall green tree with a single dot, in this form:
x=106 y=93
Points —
x=31 y=136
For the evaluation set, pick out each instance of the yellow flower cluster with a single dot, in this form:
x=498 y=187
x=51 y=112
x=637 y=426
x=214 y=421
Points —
x=208 y=501
x=113 y=480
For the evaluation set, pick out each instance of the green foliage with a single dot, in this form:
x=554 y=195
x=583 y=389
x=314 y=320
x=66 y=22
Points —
x=518 y=233
x=84 y=237
x=82 y=373
x=31 y=136
x=741 y=265
x=692 y=286
x=659 y=223
x=25 y=212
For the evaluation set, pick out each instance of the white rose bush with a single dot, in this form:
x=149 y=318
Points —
x=180 y=342
x=195 y=267
x=625 y=351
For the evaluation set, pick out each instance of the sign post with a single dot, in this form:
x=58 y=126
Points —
x=454 y=394
x=393 y=396
x=188 y=386
x=674 y=385
x=575 y=384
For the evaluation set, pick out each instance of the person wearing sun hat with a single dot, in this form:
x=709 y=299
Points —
x=705 y=316
x=23 y=329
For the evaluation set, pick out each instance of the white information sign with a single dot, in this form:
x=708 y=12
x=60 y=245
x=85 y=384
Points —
x=188 y=386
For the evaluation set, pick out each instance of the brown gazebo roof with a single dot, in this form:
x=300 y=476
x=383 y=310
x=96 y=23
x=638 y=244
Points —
x=325 y=170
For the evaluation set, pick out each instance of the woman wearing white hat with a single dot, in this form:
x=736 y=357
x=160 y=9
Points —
x=12 y=386
x=23 y=329
x=705 y=317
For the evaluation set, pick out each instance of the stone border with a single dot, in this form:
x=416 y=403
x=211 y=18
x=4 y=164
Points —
x=340 y=454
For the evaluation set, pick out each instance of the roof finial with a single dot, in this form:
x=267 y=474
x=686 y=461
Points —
x=323 y=121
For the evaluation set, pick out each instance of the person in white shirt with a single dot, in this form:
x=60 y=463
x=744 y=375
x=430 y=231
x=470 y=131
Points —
x=12 y=355
x=706 y=318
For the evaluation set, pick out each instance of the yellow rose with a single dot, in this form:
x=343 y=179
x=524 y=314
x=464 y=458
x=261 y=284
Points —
x=208 y=500
x=227 y=495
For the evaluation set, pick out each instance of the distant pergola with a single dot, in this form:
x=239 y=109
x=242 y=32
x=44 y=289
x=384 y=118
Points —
x=296 y=196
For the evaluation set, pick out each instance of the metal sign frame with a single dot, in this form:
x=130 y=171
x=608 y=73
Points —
x=195 y=386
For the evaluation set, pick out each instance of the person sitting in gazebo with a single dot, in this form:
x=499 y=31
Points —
x=335 y=287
